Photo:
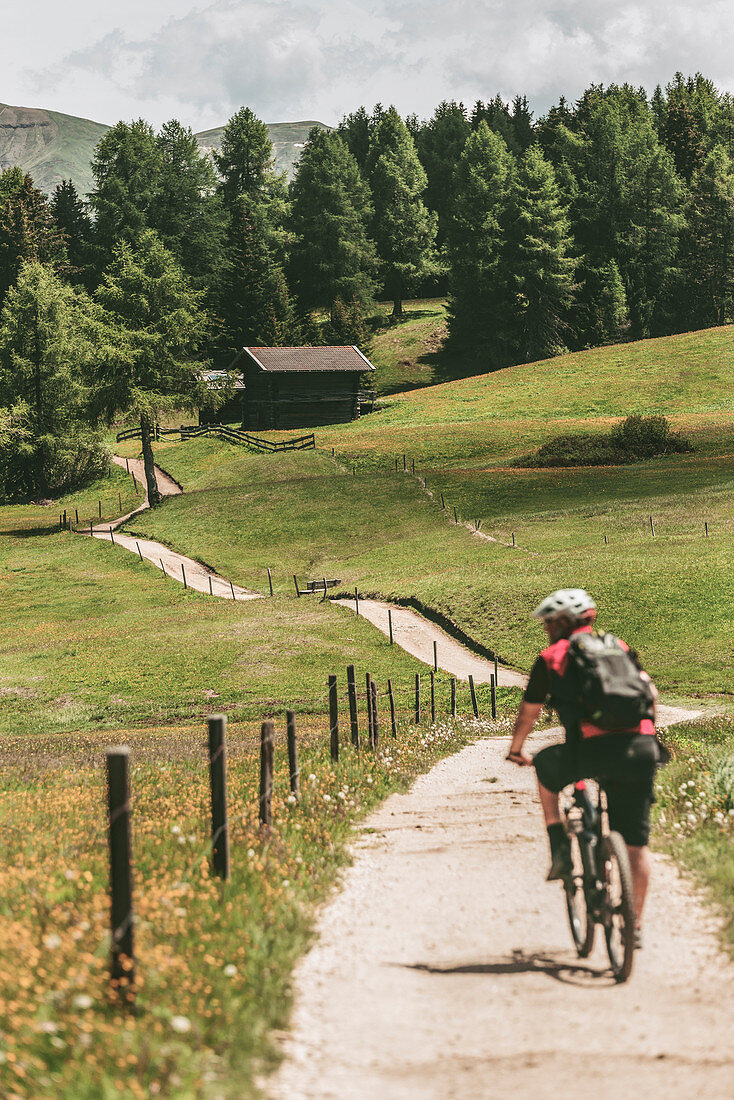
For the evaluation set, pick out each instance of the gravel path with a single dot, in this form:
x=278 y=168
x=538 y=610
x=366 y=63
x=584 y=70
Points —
x=177 y=566
x=443 y=968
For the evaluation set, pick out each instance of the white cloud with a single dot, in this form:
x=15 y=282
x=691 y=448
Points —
x=322 y=58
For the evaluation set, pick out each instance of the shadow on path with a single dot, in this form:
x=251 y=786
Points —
x=521 y=962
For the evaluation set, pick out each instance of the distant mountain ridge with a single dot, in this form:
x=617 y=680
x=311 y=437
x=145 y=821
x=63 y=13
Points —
x=51 y=146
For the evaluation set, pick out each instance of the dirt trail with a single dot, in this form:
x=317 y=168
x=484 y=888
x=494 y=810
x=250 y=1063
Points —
x=416 y=636
x=178 y=566
x=443 y=968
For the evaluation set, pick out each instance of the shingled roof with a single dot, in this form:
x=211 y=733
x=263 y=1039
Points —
x=344 y=358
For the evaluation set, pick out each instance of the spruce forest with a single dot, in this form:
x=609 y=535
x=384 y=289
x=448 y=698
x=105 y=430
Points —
x=607 y=220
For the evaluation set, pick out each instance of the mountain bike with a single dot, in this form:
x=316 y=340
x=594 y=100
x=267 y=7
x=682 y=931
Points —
x=599 y=888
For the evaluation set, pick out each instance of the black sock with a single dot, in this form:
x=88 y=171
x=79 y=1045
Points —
x=556 y=836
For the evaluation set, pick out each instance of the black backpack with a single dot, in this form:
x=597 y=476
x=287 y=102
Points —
x=606 y=684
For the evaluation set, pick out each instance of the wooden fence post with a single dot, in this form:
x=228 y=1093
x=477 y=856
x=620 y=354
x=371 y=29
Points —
x=513 y=538
x=356 y=599
x=232 y=587
x=413 y=465
x=389 y=624
x=76 y=513
x=473 y=693
x=217 y=726
x=353 y=713
x=370 y=724
x=266 y=774
x=375 y=716
x=433 y=697
x=119 y=500
x=405 y=465
x=417 y=698
x=393 y=723
x=493 y=692
x=127 y=464
x=99 y=506
x=290 y=727
x=183 y=574
x=334 y=719
x=211 y=591
x=456 y=518
x=91 y=528
x=163 y=567
x=122 y=956
x=706 y=528
x=295 y=581
x=443 y=503
x=112 y=537
x=652 y=527
x=135 y=484
x=453 y=697
x=270 y=581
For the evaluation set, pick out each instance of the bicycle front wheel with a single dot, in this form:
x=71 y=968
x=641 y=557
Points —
x=618 y=910
x=581 y=921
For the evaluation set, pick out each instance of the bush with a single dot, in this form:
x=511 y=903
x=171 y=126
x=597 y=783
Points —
x=647 y=436
x=633 y=439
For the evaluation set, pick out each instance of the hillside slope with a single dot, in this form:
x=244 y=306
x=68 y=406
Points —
x=52 y=146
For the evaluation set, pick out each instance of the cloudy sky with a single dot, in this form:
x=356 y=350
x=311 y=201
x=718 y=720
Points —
x=319 y=59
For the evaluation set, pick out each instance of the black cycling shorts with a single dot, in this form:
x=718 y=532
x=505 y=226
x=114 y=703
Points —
x=624 y=764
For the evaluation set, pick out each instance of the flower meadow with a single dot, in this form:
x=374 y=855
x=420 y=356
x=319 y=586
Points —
x=695 y=807
x=213 y=959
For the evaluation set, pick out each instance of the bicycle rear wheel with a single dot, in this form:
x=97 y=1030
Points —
x=580 y=920
x=618 y=911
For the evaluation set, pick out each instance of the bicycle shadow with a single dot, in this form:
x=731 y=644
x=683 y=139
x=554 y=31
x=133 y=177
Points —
x=534 y=962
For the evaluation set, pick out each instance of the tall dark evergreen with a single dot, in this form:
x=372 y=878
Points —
x=539 y=257
x=481 y=290
x=28 y=230
x=127 y=174
x=706 y=284
x=245 y=159
x=332 y=255
x=440 y=142
x=255 y=301
x=187 y=212
x=403 y=228
x=627 y=206
x=70 y=215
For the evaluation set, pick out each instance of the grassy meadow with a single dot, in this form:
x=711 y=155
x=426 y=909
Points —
x=99 y=648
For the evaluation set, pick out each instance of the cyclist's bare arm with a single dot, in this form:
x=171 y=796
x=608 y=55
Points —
x=527 y=716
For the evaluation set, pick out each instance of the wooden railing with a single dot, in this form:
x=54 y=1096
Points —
x=231 y=435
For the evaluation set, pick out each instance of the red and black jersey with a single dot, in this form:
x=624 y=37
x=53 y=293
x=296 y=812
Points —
x=547 y=682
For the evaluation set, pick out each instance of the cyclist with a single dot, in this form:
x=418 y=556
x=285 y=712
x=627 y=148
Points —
x=624 y=760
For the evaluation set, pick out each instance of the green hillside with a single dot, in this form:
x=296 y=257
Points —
x=49 y=145
x=52 y=146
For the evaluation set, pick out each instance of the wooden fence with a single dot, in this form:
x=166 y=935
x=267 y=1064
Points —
x=231 y=435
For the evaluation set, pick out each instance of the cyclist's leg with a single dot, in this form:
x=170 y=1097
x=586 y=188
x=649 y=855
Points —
x=628 y=805
x=555 y=768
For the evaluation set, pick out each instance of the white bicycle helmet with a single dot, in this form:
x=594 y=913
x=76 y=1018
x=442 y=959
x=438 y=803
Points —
x=573 y=602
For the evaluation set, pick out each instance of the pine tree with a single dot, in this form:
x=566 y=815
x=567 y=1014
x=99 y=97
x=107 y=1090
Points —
x=71 y=217
x=627 y=207
x=346 y=325
x=255 y=302
x=355 y=130
x=538 y=255
x=127 y=172
x=28 y=230
x=439 y=144
x=332 y=255
x=403 y=229
x=187 y=212
x=245 y=159
x=480 y=282
x=155 y=326
x=706 y=285
x=46 y=350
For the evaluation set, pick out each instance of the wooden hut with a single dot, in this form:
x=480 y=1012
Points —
x=301 y=387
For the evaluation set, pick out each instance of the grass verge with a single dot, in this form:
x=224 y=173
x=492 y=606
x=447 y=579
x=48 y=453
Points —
x=213 y=959
x=695 y=809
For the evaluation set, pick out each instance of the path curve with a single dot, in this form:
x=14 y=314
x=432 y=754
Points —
x=179 y=567
x=416 y=636
x=443 y=969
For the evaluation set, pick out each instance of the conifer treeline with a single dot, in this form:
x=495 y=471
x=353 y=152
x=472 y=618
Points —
x=609 y=219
